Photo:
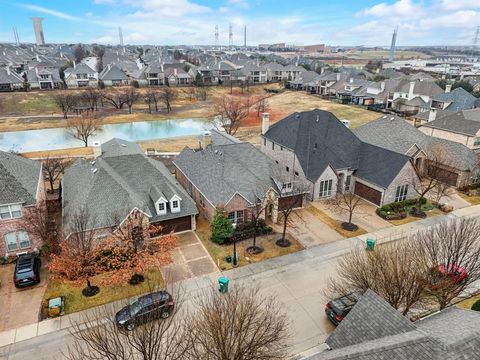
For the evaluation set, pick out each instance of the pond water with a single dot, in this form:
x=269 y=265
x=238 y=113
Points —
x=58 y=138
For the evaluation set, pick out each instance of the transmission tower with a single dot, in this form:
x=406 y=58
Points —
x=216 y=36
x=230 y=36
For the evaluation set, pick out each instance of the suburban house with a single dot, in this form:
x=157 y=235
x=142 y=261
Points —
x=237 y=177
x=454 y=100
x=462 y=127
x=122 y=183
x=408 y=90
x=10 y=80
x=328 y=158
x=375 y=330
x=81 y=75
x=154 y=74
x=460 y=165
x=112 y=75
x=177 y=76
x=23 y=191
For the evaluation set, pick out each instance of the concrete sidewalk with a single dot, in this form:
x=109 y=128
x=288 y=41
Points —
x=297 y=280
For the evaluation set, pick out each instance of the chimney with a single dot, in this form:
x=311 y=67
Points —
x=161 y=67
x=175 y=71
x=74 y=64
x=265 y=122
x=382 y=86
x=8 y=71
x=410 y=90
x=448 y=88
x=432 y=115
x=351 y=80
x=338 y=76
x=38 y=58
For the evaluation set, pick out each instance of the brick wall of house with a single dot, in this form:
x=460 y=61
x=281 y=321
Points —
x=466 y=140
x=406 y=176
x=208 y=210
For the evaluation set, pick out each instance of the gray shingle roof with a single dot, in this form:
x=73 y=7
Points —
x=373 y=330
x=19 y=178
x=457 y=122
x=123 y=181
x=319 y=139
x=112 y=72
x=221 y=171
x=459 y=98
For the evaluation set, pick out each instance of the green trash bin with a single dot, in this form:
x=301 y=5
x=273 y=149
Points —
x=370 y=244
x=223 y=284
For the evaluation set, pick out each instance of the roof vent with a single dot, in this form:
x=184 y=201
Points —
x=318 y=118
x=123 y=145
x=92 y=162
x=297 y=116
x=94 y=170
x=392 y=118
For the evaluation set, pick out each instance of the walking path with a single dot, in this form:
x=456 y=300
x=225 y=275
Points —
x=297 y=280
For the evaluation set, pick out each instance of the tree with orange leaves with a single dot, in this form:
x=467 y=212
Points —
x=128 y=251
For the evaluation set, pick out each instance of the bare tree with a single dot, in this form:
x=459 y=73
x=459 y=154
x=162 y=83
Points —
x=37 y=223
x=257 y=211
x=91 y=96
x=262 y=106
x=97 y=336
x=286 y=208
x=65 y=101
x=115 y=97
x=83 y=127
x=202 y=93
x=346 y=203
x=431 y=172
x=167 y=95
x=450 y=256
x=391 y=271
x=152 y=97
x=131 y=96
x=79 y=53
x=52 y=169
x=230 y=112
x=190 y=93
x=241 y=324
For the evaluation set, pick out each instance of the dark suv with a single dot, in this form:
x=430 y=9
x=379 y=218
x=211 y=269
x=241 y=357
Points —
x=337 y=309
x=27 y=271
x=156 y=305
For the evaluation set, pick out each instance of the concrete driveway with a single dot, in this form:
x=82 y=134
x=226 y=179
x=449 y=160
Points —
x=365 y=215
x=308 y=229
x=190 y=259
x=19 y=306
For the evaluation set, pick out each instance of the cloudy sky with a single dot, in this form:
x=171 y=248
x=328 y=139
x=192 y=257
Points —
x=299 y=22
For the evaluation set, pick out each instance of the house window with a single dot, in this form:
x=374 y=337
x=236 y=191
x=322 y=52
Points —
x=287 y=168
x=17 y=240
x=401 y=193
x=476 y=178
x=175 y=204
x=296 y=173
x=161 y=207
x=202 y=201
x=315 y=146
x=325 y=188
x=10 y=212
x=276 y=161
x=348 y=182
x=476 y=141
x=281 y=148
x=231 y=217
x=273 y=145
x=239 y=218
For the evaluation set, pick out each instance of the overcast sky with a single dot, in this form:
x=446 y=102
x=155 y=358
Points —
x=299 y=22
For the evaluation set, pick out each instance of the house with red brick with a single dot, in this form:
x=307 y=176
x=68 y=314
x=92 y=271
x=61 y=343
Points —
x=22 y=191
x=237 y=177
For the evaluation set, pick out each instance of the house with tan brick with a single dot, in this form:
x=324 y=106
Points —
x=22 y=191
x=237 y=177
x=320 y=152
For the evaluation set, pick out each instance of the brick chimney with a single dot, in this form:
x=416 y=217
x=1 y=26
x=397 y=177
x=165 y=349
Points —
x=432 y=115
x=265 y=122
x=448 y=88
x=410 y=90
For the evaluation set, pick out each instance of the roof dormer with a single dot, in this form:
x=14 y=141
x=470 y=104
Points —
x=175 y=206
x=161 y=206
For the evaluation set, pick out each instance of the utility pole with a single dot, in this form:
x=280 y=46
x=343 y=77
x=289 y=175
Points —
x=216 y=36
x=230 y=36
x=245 y=38
x=476 y=38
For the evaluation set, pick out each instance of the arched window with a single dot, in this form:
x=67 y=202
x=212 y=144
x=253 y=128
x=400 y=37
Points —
x=17 y=240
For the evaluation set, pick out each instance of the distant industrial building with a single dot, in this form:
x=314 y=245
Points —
x=38 y=28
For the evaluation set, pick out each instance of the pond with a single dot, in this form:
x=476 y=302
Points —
x=58 y=138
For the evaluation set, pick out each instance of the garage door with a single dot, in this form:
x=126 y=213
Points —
x=175 y=225
x=368 y=193
x=446 y=176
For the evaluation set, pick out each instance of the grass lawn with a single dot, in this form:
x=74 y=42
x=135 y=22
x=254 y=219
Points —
x=80 y=151
x=474 y=200
x=219 y=252
x=467 y=304
x=75 y=301
x=335 y=224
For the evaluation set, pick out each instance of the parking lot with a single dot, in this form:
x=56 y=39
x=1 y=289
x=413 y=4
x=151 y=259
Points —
x=19 y=306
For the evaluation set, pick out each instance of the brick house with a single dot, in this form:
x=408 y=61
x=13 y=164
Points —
x=459 y=167
x=237 y=177
x=123 y=184
x=23 y=191
x=323 y=154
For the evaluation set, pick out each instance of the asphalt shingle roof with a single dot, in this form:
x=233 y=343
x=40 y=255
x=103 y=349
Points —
x=458 y=122
x=19 y=178
x=459 y=98
x=112 y=72
x=123 y=181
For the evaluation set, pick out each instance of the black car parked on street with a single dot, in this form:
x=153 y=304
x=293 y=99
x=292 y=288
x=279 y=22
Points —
x=337 y=309
x=156 y=305
x=27 y=270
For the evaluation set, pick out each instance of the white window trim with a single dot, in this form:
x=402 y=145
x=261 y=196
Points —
x=178 y=200
x=11 y=212
x=19 y=247
x=164 y=201
x=401 y=193
x=322 y=190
